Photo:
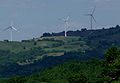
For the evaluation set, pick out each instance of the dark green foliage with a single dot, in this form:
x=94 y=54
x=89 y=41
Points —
x=6 y=40
x=36 y=56
x=9 y=66
x=57 y=45
x=17 y=80
x=84 y=29
x=70 y=72
x=24 y=47
x=117 y=26
x=111 y=65
x=89 y=71
x=29 y=54
x=91 y=34
x=3 y=53
x=46 y=34
x=35 y=43
x=112 y=54
x=78 y=78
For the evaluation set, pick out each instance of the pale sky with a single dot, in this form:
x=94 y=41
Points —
x=34 y=17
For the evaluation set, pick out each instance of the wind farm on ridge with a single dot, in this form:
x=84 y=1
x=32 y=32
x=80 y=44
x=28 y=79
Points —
x=66 y=26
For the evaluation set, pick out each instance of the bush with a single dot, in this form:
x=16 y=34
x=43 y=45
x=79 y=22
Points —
x=78 y=78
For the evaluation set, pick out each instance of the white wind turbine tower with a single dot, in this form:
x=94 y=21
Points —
x=66 y=25
x=11 y=28
x=91 y=18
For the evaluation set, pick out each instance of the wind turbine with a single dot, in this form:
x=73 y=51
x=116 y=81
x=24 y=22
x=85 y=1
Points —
x=11 y=28
x=92 y=18
x=66 y=25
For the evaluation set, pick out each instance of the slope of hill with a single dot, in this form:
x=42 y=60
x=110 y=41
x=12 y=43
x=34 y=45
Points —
x=46 y=52
x=35 y=55
x=88 y=71
x=62 y=73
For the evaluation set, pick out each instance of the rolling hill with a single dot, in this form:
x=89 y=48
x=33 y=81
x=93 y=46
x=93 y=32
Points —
x=38 y=54
x=62 y=73
x=87 y=71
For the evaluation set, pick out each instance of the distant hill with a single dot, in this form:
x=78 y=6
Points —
x=38 y=54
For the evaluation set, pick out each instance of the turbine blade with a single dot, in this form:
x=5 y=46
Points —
x=93 y=10
x=87 y=14
x=93 y=18
x=6 y=28
x=14 y=28
x=67 y=18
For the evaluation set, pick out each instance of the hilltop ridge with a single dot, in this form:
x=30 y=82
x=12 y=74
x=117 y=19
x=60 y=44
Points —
x=84 y=32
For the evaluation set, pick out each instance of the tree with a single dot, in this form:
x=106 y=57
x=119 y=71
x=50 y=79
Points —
x=78 y=78
x=112 y=54
x=111 y=65
x=46 y=34
x=84 y=29
x=35 y=43
x=24 y=47
x=17 y=80
x=117 y=26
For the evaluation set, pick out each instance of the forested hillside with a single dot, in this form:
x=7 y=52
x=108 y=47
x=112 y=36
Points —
x=38 y=54
x=88 y=71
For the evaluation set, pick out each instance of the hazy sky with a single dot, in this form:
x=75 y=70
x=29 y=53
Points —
x=34 y=17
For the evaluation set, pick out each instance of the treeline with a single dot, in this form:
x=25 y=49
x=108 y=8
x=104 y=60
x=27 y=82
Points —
x=85 y=32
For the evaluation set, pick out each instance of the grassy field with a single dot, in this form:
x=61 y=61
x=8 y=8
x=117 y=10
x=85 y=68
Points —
x=51 y=46
x=45 y=44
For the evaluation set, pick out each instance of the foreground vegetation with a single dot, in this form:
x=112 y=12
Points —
x=90 y=71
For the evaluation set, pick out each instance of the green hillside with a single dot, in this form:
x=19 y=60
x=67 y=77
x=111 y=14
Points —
x=41 y=42
x=61 y=73
x=40 y=51
x=36 y=55
x=89 y=71
x=52 y=46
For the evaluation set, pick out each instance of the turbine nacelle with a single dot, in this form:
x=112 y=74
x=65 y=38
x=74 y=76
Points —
x=11 y=28
x=65 y=19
